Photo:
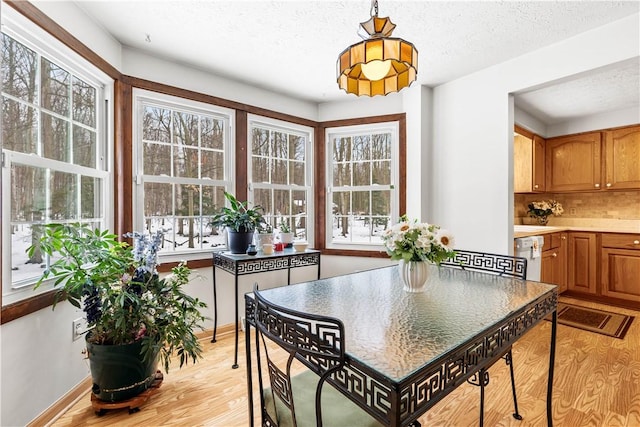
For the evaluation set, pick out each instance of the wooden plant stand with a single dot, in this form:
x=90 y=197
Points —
x=133 y=404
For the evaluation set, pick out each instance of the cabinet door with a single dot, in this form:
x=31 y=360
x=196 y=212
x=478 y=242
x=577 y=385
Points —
x=621 y=273
x=554 y=265
x=582 y=269
x=622 y=158
x=574 y=162
x=538 y=164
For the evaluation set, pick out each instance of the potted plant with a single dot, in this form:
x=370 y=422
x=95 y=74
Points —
x=135 y=318
x=265 y=234
x=286 y=236
x=240 y=222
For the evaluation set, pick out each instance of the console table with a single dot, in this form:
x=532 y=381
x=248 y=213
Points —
x=242 y=264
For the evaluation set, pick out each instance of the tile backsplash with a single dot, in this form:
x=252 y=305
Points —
x=623 y=205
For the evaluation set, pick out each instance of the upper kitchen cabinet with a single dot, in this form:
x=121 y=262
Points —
x=574 y=162
x=529 y=165
x=622 y=158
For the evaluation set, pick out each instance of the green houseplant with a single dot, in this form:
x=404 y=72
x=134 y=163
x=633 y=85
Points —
x=128 y=307
x=240 y=222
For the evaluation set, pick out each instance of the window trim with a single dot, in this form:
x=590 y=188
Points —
x=296 y=129
x=139 y=99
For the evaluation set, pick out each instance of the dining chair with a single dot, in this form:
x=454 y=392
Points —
x=501 y=265
x=302 y=351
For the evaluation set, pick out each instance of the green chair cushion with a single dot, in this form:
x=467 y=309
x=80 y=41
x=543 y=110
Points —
x=337 y=410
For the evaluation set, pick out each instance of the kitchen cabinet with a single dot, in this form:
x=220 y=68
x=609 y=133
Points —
x=554 y=260
x=573 y=162
x=529 y=165
x=620 y=276
x=622 y=158
x=582 y=262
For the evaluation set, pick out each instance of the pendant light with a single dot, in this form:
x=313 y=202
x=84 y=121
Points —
x=380 y=64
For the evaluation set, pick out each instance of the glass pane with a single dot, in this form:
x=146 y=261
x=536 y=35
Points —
x=84 y=103
x=212 y=196
x=279 y=145
x=158 y=199
x=185 y=129
x=90 y=197
x=64 y=196
x=84 y=147
x=187 y=200
x=299 y=199
x=212 y=164
x=28 y=197
x=341 y=228
x=360 y=200
x=381 y=146
x=23 y=268
x=185 y=161
x=55 y=88
x=212 y=133
x=156 y=124
x=381 y=173
x=259 y=142
x=297 y=147
x=341 y=203
x=19 y=68
x=19 y=127
x=297 y=170
x=55 y=138
x=260 y=169
x=361 y=148
x=362 y=173
x=187 y=234
x=341 y=174
x=156 y=159
x=381 y=203
x=262 y=197
x=279 y=172
x=281 y=203
x=341 y=149
x=166 y=224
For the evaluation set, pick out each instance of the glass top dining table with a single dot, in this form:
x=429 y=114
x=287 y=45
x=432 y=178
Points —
x=411 y=349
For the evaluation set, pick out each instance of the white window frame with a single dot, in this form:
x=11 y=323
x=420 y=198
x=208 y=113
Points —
x=345 y=131
x=143 y=97
x=294 y=129
x=35 y=38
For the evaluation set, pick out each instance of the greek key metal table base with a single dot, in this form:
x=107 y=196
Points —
x=240 y=265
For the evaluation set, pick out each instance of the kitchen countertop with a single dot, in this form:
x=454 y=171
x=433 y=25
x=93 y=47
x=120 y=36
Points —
x=538 y=230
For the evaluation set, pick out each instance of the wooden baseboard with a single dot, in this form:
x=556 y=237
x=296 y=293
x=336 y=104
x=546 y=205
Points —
x=58 y=408
x=53 y=412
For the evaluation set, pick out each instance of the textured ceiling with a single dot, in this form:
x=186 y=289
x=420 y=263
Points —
x=292 y=46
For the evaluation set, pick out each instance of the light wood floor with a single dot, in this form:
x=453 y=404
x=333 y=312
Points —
x=597 y=383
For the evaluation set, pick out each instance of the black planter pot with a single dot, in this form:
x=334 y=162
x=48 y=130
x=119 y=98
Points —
x=119 y=371
x=239 y=241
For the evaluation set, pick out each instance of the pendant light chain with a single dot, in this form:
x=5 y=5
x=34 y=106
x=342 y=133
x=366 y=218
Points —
x=374 y=8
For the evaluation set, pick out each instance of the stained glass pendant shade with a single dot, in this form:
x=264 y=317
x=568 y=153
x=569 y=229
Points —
x=380 y=64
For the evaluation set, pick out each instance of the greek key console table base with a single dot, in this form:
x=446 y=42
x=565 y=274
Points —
x=241 y=264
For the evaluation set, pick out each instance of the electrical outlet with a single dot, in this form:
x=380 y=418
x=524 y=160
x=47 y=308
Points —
x=79 y=328
x=572 y=211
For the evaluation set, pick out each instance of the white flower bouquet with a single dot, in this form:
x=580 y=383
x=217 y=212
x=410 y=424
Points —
x=414 y=241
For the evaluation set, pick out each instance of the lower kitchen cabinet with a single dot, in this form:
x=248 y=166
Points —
x=582 y=264
x=554 y=260
x=620 y=276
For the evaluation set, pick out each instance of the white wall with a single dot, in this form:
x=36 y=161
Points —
x=472 y=189
x=611 y=119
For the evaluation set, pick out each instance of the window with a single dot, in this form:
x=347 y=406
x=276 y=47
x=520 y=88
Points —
x=280 y=170
x=362 y=175
x=54 y=148
x=183 y=167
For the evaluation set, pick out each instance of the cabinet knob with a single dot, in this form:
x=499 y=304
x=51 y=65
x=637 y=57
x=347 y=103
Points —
x=564 y=237
x=597 y=185
x=636 y=242
x=608 y=184
x=554 y=255
x=535 y=186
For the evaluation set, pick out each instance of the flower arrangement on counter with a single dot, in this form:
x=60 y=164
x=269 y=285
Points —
x=414 y=241
x=542 y=210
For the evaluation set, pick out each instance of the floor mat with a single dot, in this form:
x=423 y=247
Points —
x=594 y=320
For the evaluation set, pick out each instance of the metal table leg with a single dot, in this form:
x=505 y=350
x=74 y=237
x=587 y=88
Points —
x=235 y=359
x=215 y=304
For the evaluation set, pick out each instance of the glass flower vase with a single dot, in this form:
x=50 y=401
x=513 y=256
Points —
x=542 y=220
x=414 y=275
